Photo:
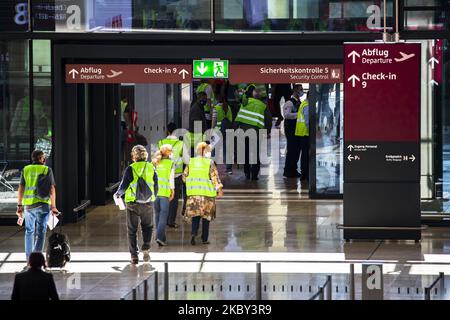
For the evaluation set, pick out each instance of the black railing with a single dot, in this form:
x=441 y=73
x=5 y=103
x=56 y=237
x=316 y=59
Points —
x=441 y=280
x=144 y=287
x=321 y=293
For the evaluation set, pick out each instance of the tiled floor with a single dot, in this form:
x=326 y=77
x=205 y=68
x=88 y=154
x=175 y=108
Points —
x=270 y=220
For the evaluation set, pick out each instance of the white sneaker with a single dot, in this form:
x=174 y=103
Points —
x=146 y=255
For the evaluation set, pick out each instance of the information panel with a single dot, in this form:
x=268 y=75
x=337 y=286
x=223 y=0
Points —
x=382 y=138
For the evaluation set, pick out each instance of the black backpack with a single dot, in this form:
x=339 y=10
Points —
x=58 y=250
x=44 y=185
x=143 y=192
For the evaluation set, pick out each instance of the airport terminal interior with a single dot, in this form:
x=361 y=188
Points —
x=275 y=238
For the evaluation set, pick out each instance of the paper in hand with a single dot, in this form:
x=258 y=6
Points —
x=119 y=202
x=52 y=222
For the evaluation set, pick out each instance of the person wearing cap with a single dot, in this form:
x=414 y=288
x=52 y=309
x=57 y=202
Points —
x=290 y=111
x=254 y=116
x=165 y=170
x=139 y=211
x=203 y=185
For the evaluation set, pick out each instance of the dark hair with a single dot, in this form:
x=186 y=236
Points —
x=203 y=93
x=36 y=155
x=297 y=85
x=171 y=127
x=36 y=260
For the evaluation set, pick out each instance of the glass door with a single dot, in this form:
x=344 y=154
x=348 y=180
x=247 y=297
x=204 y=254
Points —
x=326 y=140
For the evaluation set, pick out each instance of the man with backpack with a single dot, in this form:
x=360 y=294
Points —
x=138 y=186
x=36 y=199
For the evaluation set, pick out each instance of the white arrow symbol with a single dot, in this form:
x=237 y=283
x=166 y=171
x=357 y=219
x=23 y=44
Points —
x=350 y=158
x=353 y=54
x=73 y=72
x=353 y=79
x=202 y=69
x=433 y=61
x=434 y=83
x=412 y=158
x=350 y=147
x=184 y=73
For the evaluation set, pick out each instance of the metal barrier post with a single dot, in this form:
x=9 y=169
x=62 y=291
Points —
x=442 y=284
x=321 y=296
x=352 y=281
x=134 y=294
x=156 y=285
x=166 y=281
x=329 y=288
x=258 y=281
x=427 y=294
x=145 y=289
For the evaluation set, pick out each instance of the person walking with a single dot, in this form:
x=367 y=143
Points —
x=138 y=186
x=36 y=199
x=203 y=185
x=290 y=112
x=206 y=87
x=35 y=283
x=177 y=151
x=253 y=116
x=302 y=132
x=222 y=120
x=165 y=170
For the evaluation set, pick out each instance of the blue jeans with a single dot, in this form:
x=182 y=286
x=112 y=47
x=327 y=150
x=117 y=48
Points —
x=36 y=222
x=196 y=225
x=161 y=214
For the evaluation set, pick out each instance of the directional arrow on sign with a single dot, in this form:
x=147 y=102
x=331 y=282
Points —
x=184 y=73
x=350 y=158
x=353 y=79
x=353 y=55
x=434 y=83
x=412 y=158
x=202 y=68
x=350 y=147
x=73 y=72
x=433 y=61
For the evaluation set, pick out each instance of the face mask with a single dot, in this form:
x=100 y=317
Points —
x=301 y=93
x=207 y=154
x=171 y=156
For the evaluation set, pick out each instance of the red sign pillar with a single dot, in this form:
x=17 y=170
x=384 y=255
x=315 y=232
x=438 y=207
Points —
x=382 y=141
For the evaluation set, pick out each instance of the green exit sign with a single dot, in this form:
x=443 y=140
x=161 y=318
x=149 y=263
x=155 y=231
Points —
x=210 y=69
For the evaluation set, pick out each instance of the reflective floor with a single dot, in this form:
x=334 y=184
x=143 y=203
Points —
x=271 y=221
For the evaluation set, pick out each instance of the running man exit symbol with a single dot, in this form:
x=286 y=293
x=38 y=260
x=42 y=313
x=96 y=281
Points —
x=219 y=69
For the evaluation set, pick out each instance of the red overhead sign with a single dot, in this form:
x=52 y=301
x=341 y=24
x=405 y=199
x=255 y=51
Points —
x=382 y=92
x=286 y=73
x=131 y=73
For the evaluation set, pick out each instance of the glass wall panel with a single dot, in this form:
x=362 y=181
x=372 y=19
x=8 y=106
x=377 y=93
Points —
x=301 y=15
x=427 y=20
x=15 y=118
x=329 y=138
x=121 y=15
x=42 y=92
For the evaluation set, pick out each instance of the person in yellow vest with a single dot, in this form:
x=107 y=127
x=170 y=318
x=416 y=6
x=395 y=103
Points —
x=138 y=186
x=37 y=193
x=203 y=185
x=253 y=116
x=302 y=131
x=177 y=150
x=222 y=120
x=206 y=86
x=165 y=169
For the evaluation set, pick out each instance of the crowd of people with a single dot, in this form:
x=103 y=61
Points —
x=152 y=188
